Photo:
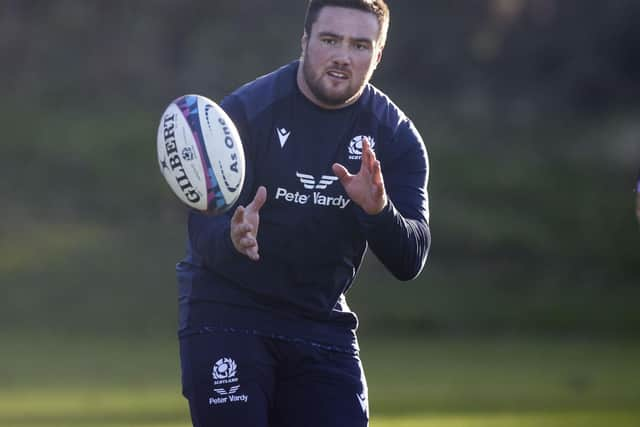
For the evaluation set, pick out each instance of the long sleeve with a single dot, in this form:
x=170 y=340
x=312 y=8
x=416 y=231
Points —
x=400 y=235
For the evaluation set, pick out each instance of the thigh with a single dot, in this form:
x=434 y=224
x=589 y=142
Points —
x=322 y=389
x=227 y=379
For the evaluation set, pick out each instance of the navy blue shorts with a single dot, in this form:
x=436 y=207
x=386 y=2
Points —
x=246 y=380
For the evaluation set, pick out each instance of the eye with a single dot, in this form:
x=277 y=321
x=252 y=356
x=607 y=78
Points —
x=329 y=41
x=362 y=46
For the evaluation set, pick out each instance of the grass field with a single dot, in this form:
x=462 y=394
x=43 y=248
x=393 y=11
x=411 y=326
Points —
x=427 y=382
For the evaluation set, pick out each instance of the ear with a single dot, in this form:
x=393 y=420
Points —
x=379 y=55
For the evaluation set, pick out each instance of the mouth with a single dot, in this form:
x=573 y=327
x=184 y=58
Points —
x=337 y=74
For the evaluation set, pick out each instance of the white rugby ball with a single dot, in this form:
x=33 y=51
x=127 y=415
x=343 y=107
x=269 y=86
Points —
x=200 y=154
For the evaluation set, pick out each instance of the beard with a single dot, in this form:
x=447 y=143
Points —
x=314 y=81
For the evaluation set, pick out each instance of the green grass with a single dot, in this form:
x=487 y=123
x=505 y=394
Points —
x=47 y=382
x=556 y=419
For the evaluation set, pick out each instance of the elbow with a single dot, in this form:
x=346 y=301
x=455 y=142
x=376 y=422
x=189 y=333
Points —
x=406 y=277
x=410 y=273
x=412 y=269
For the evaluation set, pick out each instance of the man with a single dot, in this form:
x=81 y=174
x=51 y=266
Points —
x=333 y=166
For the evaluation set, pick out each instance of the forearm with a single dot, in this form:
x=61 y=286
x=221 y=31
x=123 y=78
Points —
x=401 y=244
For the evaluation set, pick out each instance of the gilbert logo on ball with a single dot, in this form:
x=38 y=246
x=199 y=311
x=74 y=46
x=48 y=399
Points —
x=200 y=154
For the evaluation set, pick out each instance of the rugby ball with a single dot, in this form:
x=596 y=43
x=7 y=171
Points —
x=200 y=154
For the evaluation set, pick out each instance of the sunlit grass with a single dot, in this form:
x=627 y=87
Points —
x=139 y=406
x=525 y=419
x=92 y=405
x=418 y=382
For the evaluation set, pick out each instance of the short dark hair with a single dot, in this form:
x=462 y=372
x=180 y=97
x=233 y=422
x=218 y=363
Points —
x=378 y=7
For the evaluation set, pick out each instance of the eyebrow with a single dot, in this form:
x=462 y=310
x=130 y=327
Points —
x=338 y=36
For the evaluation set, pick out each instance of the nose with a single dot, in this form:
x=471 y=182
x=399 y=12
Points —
x=342 y=56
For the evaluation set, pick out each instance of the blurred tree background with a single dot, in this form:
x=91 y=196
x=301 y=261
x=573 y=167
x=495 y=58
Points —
x=529 y=108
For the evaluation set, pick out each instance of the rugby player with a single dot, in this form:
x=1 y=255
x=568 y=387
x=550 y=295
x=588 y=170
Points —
x=333 y=167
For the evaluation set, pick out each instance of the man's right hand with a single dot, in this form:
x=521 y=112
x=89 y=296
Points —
x=244 y=225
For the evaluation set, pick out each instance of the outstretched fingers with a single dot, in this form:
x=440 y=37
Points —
x=376 y=172
x=244 y=225
x=368 y=157
x=239 y=228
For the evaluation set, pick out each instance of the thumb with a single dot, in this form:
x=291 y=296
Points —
x=259 y=199
x=341 y=172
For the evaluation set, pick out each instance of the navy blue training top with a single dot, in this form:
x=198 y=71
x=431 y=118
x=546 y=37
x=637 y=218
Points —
x=311 y=236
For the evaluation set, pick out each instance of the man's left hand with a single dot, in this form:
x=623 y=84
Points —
x=366 y=188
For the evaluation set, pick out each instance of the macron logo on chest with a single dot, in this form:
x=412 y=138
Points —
x=283 y=135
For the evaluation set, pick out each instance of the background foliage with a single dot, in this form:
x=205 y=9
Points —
x=529 y=110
